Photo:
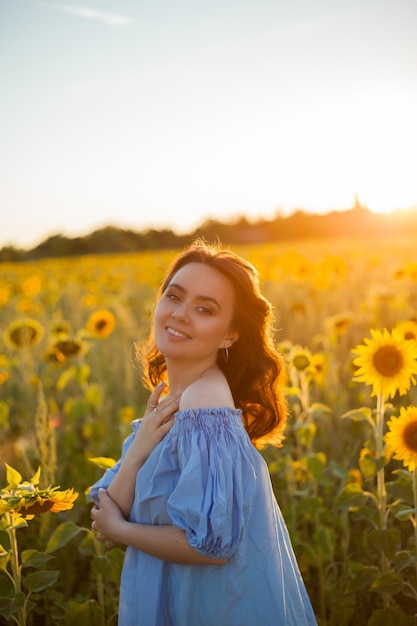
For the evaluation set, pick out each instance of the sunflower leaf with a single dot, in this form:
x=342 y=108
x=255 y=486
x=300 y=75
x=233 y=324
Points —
x=403 y=559
x=10 y=605
x=110 y=565
x=405 y=513
x=351 y=495
x=103 y=462
x=12 y=476
x=65 y=378
x=362 y=578
x=62 y=535
x=390 y=616
x=36 y=477
x=370 y=463
x=34 y=558
x=387 y=540
x=37 y=581
x=391 y=582
x=363 y=414
x=82 y=374
x=82 y=614
x=319 y=410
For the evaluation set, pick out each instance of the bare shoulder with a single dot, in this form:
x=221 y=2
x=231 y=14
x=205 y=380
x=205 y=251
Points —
x=210 y=391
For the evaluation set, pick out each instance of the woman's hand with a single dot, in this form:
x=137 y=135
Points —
x=107 y=519
x=167 y=543
x=156 y=422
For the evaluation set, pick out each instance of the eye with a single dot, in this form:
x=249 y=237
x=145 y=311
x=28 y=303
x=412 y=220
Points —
x=172 y=296
x=205 y=310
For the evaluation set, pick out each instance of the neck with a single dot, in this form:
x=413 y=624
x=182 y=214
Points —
x=181 y=375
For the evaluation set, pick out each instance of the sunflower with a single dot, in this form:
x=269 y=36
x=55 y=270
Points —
x=63 y=348
x=401 y=438
x=61 y=327
x=127 y=414
x=387 y=362
x=27 y=503
x=300 y=358
x=4 y=295
x=25 y=306
x=317 y=369
x=285 y=347
x=408 y=330
x=53 y=356
x=23 y=333
x=298 y=308
x=26 y=499
x=31 y=286
x=67 y=346
x=340 y=323
x=101 y=323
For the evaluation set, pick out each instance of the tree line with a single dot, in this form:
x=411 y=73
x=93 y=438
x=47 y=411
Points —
x=357 y=222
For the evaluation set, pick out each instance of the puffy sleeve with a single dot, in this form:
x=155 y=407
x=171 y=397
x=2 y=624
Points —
x=109 y=474
x=213 y=497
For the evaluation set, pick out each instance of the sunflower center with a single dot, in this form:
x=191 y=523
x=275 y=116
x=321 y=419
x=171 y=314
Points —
x=37 y=508
x=23 y=335
x=388 y=361
x=68 y=347
x=301 y=362
x=410 y=436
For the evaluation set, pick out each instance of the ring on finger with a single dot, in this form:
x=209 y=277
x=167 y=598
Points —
x=156 y=410
x=153 y=406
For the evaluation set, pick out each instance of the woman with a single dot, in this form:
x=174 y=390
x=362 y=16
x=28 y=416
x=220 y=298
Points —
x=191 y=496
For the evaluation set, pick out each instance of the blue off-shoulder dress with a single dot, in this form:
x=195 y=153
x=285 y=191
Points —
x=207 y=478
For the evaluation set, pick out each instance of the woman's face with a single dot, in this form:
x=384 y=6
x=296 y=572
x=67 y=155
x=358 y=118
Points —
x=193 y=318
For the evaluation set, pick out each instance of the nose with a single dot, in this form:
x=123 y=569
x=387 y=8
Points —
x=180 y=313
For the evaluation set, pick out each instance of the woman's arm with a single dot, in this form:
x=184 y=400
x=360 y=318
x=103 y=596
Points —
x=167 y=543
x=154 y=426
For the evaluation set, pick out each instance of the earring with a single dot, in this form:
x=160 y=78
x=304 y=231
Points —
x=226 y=354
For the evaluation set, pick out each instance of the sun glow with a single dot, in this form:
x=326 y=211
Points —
x=250 y=124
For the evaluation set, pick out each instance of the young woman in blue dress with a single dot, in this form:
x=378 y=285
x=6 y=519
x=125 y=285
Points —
x=191 y=496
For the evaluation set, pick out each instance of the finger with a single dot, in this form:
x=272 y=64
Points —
x=155 y=395
x=167 y=424
x=169 y=403
x=165 y=412
x=102 y=495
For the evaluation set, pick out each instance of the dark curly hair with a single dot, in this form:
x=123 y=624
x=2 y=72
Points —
x=254 y=366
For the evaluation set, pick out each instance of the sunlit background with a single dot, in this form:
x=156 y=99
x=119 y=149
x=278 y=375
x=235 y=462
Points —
x=165 y=113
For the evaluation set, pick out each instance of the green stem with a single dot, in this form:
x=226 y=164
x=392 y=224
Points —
x=380 y=478
x=379 y=436
x=304 y=392
x=414 y=475
x=16 y=569
x=100 y=583
x=14 y=560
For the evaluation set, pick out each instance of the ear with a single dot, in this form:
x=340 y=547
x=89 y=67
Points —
x=230 y=339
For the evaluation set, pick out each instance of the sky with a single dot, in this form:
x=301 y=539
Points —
x=165 y=113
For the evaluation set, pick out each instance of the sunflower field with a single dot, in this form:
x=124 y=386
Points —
x=345 y=478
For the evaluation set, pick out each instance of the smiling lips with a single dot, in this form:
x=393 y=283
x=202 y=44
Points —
x=176 y=333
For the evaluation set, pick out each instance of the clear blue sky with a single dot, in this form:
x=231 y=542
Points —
x=154 y=113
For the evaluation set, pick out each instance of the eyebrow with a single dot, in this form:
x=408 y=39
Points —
x=198 y=297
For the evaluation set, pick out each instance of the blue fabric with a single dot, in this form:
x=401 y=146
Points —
x=208 y=479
